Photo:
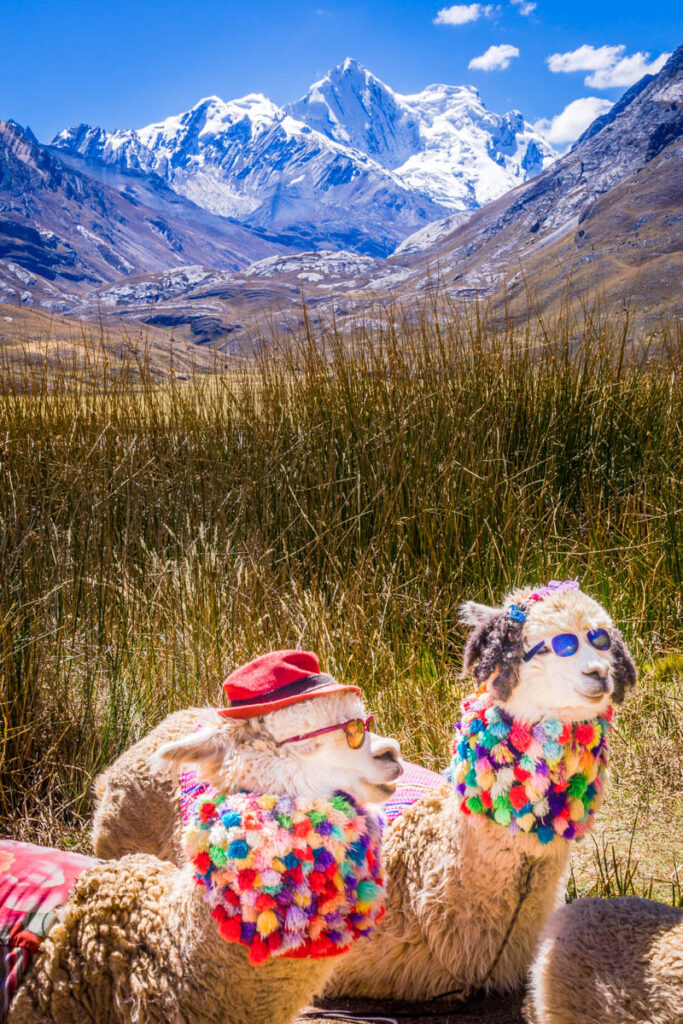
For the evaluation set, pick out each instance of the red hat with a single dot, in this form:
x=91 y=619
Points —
x=275 y=680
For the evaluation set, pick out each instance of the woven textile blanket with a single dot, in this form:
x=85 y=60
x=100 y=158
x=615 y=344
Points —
x=34 y=882
x=413 y=784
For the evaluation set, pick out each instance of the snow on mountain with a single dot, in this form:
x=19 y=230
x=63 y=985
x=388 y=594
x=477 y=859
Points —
x=351 y=165
x=250 y=160
x=441 y=142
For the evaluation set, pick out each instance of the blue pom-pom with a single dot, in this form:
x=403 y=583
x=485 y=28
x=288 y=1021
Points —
x=516 y=614
x=545 y=834
x=238 y=849
x=231 y=819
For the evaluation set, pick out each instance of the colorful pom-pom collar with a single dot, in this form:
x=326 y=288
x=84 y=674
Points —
x=545 y=779
x=287 y=876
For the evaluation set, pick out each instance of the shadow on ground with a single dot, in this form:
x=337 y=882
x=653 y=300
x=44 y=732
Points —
x=494 y=1010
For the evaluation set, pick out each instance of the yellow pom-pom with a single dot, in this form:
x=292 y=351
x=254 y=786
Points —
x=486 y=780
x=268 y=802
x=576 y=809
x=526 y=822
x=267 y=923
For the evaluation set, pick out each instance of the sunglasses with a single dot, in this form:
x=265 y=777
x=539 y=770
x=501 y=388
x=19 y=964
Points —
x=355 y=730
x=566 y=644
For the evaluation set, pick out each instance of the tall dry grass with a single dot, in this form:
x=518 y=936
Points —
x=342 y=493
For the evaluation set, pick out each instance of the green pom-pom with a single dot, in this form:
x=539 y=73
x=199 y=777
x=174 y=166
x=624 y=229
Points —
x=502 y=815
x=316 y=817
x=578 y=785
x=285 y=821
x=475 y=805
x=218 y=855
x=341 y=804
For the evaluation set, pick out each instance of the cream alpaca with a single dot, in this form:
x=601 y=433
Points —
x=453 y=880
x=136 y=941
x=609 y=962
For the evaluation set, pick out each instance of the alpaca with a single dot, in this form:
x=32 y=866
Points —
x=462 y=869
x=137 y=940
x=457 y=879
x=609 y=962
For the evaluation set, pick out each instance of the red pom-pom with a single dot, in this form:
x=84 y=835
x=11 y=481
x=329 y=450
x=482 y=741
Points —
x=230 y=897
x=296 y=875
x=251 y=821
x=585 y=734
x=464 y=807
x=265 y=902
x=274 y=941
x=485 y=798
x=302 y=828
x=316 y=880
x=246 y=878
x=565 y=735
x=207 y=811
x=219 y=913
x=258 y=951
x=521 y=774
x=231 y=929
x=202 y=862
x=518 y=797
x=519 y=737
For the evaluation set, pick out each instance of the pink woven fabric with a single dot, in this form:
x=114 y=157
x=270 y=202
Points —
x=413 y=784
x=34 y=882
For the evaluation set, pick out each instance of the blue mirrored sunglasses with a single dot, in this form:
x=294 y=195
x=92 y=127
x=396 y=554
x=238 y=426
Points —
x=566 y=644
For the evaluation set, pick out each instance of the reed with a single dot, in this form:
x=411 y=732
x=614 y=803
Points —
x=342 y=491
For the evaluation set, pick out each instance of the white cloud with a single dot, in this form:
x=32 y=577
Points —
x=627 y=71
x=610 y=68
x=573 y=120
x=586 y=58
x=496 y=58
x=460 y=14
x=525 y=7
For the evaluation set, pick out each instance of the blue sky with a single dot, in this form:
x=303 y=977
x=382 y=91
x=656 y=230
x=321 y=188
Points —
x=126 y=63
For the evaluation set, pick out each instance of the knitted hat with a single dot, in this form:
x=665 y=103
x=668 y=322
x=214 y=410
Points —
x=275 y=680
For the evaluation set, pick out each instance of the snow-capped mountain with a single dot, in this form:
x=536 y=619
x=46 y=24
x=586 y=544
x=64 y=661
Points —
x=441 y=142
x=351 y=165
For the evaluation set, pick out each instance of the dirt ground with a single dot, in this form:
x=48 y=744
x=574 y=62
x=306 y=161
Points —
x=499 y=1010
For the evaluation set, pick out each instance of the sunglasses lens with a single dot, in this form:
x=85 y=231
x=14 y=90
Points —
x=355 y=733
x=565 y=645
x=599 y=638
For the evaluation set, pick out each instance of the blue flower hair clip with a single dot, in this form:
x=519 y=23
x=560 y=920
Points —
x=516 y=614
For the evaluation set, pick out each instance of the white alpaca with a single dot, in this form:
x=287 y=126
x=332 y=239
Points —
x=455 y=882
x=136 y=941
x=609 y=962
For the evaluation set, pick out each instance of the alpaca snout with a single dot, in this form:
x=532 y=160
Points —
x=595 y=681
x=389 y=752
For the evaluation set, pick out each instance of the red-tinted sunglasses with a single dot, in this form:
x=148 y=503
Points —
x=355 y=730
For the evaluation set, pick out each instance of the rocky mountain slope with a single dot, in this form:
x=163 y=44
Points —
x=351 y=165
x=64 y=233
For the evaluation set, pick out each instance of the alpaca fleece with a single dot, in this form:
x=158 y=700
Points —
x=287 y=876
x=546 y=778
x=614 y=961
x=135 y=943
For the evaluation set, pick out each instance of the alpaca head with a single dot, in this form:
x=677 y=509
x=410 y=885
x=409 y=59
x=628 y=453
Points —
x=570 y=688
x=234 y=754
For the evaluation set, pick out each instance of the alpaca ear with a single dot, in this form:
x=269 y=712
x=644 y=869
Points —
x=624 y=674
x=493 y=651
x=206 y=747
x=473 y=614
